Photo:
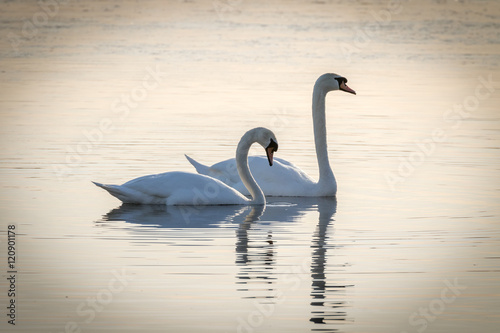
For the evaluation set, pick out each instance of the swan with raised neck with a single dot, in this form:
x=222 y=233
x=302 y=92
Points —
x=288 y=179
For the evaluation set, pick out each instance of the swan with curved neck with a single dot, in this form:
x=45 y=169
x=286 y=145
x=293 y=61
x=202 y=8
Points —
x=184 y=188
x=286 y=179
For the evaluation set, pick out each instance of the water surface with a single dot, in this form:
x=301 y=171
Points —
x=109 y=91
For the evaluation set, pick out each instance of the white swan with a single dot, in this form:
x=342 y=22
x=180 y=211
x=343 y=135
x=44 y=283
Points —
x=286 y=179
x=183 y=188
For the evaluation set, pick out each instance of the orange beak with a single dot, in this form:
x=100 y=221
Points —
x=270 y=154
x=345 y=88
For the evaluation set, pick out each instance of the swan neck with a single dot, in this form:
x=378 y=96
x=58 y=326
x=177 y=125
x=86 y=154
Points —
x=258 y=197
x=319 y=123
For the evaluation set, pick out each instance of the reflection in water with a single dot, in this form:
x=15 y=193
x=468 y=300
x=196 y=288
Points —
x=325 y=310
x=256 y=259
x=254 y=247
x=176 y=216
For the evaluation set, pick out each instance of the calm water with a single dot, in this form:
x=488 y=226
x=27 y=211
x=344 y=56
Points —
x=109 y=91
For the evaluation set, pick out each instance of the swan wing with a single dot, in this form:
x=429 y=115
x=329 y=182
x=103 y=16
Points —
x=175 y=188
x=282 y=179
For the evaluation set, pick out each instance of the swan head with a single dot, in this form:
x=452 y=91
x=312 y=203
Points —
x=330 y=81
x=270 y=149
x=266 y=139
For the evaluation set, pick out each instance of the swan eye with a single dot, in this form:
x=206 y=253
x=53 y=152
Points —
x=341 y=80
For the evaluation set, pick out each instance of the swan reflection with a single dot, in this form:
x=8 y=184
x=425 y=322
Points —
x=256 y=258
x=255 y=247
x=255 y=253
x=326 y=305
x=163 y=216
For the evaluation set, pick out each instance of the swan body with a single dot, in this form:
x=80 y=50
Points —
x=286 y=179
x=184 y=188
x=290 y=178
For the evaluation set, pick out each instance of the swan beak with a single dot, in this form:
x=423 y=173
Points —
x=273 y=146
x=345 y=88
x=270 y=153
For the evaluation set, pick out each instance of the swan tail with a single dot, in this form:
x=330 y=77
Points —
x=117 y=192
x=110 y=188
x=104 y=186
x=200 y=168
x=99 y=184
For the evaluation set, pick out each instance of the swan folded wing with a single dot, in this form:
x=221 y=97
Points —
x=226 y=171
x=130 y=195
x=286 y=179
x=289 y=170
x=282 y=179
x=184 y=188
